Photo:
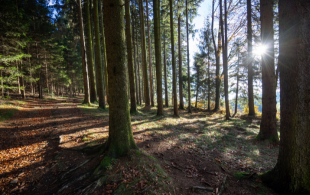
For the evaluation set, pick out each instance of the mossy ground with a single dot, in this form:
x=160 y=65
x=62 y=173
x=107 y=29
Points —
x=136 y=173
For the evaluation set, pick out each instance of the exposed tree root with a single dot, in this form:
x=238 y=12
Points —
x=73 y=181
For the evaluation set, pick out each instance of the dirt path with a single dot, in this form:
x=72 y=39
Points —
x=36 y=149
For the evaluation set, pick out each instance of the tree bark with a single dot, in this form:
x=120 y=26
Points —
x=217 y=52
x=133 y=106
x=84 y=57
x=98 y=58
x=225 y=63
x=104 y=56
x=174 y=79
x=89 y=49
x=292 y=171
x=144 y=58
x=134 y=57
x=268 y=126
x=250 y=61
x=209 y=79
x=150 y=58
x=165 y=72
x=188 y=67
x=120 y=139
x=156 y=8
x=180 y=64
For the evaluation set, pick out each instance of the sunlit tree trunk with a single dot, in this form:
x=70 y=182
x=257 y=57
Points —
x=174 y=79
x=133 y=107
x=250 y=61
x=134 y=58
x=89 y=49
x=292 y=171
x=84 y=57
x=144 y=58
x=120 y=139
x=156 y=8
x=150 y=58
x=217 y=52
x=98 y=58
x=188 y=67
x=268 y=126
x=165 y=72
x=180 y=64
x=225 y=65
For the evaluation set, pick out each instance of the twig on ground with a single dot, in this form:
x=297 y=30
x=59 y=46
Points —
x=202 y=188
x=222 y=186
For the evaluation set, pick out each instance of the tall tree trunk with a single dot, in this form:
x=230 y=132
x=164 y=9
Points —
x=104 y=55
x=98 y=58
x=144 y=61
x=209 y=80
x=188 y=67
x=18 y=80
x=292 y=171
x=139 y=78
x=174 y=79
x=156 y=8
x=225 y=64
x=89 y=49
x=2 y=87
x=23 y=87
x=84 y=57
x=120 y=139
x=197 y=88
x=165 y=72
x=180 y=64
x=250 y=60
x=134 y=57
x=133 y=106
x=150 y=58
x=217 y=52
x=268 y=127
x=237 y=86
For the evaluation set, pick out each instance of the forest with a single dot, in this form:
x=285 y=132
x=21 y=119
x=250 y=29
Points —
x=130 y=97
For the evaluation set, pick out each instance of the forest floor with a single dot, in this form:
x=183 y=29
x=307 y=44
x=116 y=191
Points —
x=40 y=138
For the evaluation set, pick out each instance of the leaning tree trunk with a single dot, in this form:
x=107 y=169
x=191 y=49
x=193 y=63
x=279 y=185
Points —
x=89 y=49
x=188 y=68
x=180 y=64
x=268 y=126
x=98 y=58
x=84 y=57
x=143 y=51
x=250 y=61
x=120 y=139
x=156 y=5
x=291 y=174
x=133 y=106
x=174 y=79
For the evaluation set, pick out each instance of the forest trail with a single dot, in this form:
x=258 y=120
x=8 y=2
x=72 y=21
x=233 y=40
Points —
x=38 y=144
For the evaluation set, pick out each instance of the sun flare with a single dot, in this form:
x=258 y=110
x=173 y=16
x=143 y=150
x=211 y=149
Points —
x=260 y=50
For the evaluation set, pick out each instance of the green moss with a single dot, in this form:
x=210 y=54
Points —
x=138 y=152
x=151 y=157
x=241 y=175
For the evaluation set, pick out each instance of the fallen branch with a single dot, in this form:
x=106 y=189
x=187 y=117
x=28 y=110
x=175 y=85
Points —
x=202 y=188
x=222 y=186
x=174 y=166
